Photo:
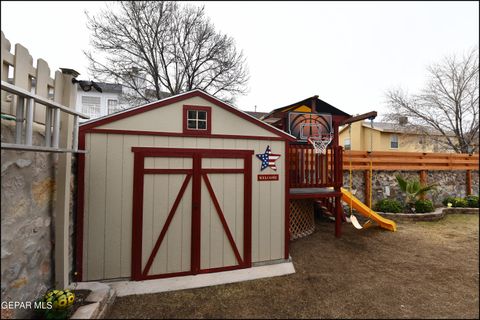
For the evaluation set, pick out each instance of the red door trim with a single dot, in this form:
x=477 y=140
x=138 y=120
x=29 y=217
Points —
x=226 y=170
x=222 y=219
x=247 y=205
x=181 y=152
x=137 y=216
x=196 y=211
x=167 y=171
x=166 y=225
x=140 y=153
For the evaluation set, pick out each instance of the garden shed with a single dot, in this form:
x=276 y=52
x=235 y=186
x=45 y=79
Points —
x=181 y=186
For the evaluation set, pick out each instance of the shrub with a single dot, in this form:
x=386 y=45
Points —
x=448 y=200
x=422 y=206
x=460 y=203
x=414 y=189
x=472 y=201
x=388 y=205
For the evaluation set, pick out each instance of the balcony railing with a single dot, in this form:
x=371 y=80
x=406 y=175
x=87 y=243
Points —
x=311 y=170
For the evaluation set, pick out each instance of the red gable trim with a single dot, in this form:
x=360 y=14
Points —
x=181 y=97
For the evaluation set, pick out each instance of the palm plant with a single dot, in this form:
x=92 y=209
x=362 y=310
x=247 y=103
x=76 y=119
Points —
x=414 y=189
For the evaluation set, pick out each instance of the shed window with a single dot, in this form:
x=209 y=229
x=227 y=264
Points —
x=197 y=120
x=393 y=141
x=347 y=144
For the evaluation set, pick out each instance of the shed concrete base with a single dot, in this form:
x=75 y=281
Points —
x=126 y=288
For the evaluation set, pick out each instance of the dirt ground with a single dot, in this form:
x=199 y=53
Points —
x=424 y=270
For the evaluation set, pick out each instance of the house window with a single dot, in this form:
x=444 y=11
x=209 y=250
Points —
x=197 y=120
x=91 y=106
x=112 y=105
x=393 y=141
x=347 y=144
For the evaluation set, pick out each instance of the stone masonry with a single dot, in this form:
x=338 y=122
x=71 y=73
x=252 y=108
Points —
x=451 y=183
x=27 y=221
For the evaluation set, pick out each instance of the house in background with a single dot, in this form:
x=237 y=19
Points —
x=97 y=104
x=385 y=136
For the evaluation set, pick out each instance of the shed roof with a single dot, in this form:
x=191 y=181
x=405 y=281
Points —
x=179 y=97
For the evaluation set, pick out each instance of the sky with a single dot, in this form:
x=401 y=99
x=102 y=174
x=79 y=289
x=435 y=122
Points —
x=348 y=53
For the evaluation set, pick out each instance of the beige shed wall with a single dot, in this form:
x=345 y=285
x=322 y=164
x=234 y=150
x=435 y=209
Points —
x=170 y=119
x=108 y=200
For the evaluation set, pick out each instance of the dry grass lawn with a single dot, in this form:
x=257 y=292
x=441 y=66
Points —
x=424 y=270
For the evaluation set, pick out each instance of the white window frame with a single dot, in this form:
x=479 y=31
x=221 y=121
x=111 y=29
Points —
x=113 y=109
x=396 y=140
x=94 y=110
x=345 y=144
x=197 y=120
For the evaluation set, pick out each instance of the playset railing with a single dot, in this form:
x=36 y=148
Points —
x=315 y=170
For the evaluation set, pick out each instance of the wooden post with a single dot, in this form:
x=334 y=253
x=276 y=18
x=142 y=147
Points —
x=66 y=93
x=338 y=217
x=468 y=182
x=368 y=190
x=423 y=180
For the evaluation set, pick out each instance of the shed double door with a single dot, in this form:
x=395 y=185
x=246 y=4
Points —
x=191 y=211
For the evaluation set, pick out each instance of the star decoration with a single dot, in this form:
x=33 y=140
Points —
x=268 y=159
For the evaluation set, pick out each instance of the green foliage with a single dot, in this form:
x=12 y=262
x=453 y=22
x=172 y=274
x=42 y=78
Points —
x=448 y=200
x=423 y=206
x=472 y=201
x=388 y=205
x=413 y=189
x=459 y=203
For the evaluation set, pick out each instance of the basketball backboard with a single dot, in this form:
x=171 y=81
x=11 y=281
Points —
x=304 y=125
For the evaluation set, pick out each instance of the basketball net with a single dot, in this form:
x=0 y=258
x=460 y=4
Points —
x=321 y=143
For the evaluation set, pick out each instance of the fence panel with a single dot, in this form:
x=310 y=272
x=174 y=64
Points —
x=383 y=160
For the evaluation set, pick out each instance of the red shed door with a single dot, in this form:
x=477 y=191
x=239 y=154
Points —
x=191 y=211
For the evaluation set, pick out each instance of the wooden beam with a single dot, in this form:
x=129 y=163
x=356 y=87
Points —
x=368 y=190
x=423 y=180
x=368 y=115
x=468 y=182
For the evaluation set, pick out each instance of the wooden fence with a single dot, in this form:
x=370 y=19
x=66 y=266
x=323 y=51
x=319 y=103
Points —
x=19 y=70
x=414 y=161
x=23 y=81
x=409 y=161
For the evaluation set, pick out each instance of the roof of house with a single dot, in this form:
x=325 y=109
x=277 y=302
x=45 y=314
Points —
x=256 y=114
x=320 y=107
x=391 y=127
x=110 y=87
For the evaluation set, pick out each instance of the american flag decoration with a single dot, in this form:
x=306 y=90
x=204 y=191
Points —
x=268 y=159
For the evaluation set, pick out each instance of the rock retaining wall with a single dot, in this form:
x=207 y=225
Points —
x=27 y=222
x=384 y=184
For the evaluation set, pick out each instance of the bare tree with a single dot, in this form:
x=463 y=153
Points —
x=447 y=108
x=156 y=46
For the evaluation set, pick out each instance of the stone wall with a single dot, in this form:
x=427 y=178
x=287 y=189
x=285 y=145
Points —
x=451 y=183
x=27 y=221
x=28 y=187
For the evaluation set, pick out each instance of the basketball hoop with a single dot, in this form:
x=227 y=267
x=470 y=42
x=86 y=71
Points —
x=321 y=143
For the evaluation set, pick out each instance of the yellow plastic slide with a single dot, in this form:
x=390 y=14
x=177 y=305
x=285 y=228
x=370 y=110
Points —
x=356 y=204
